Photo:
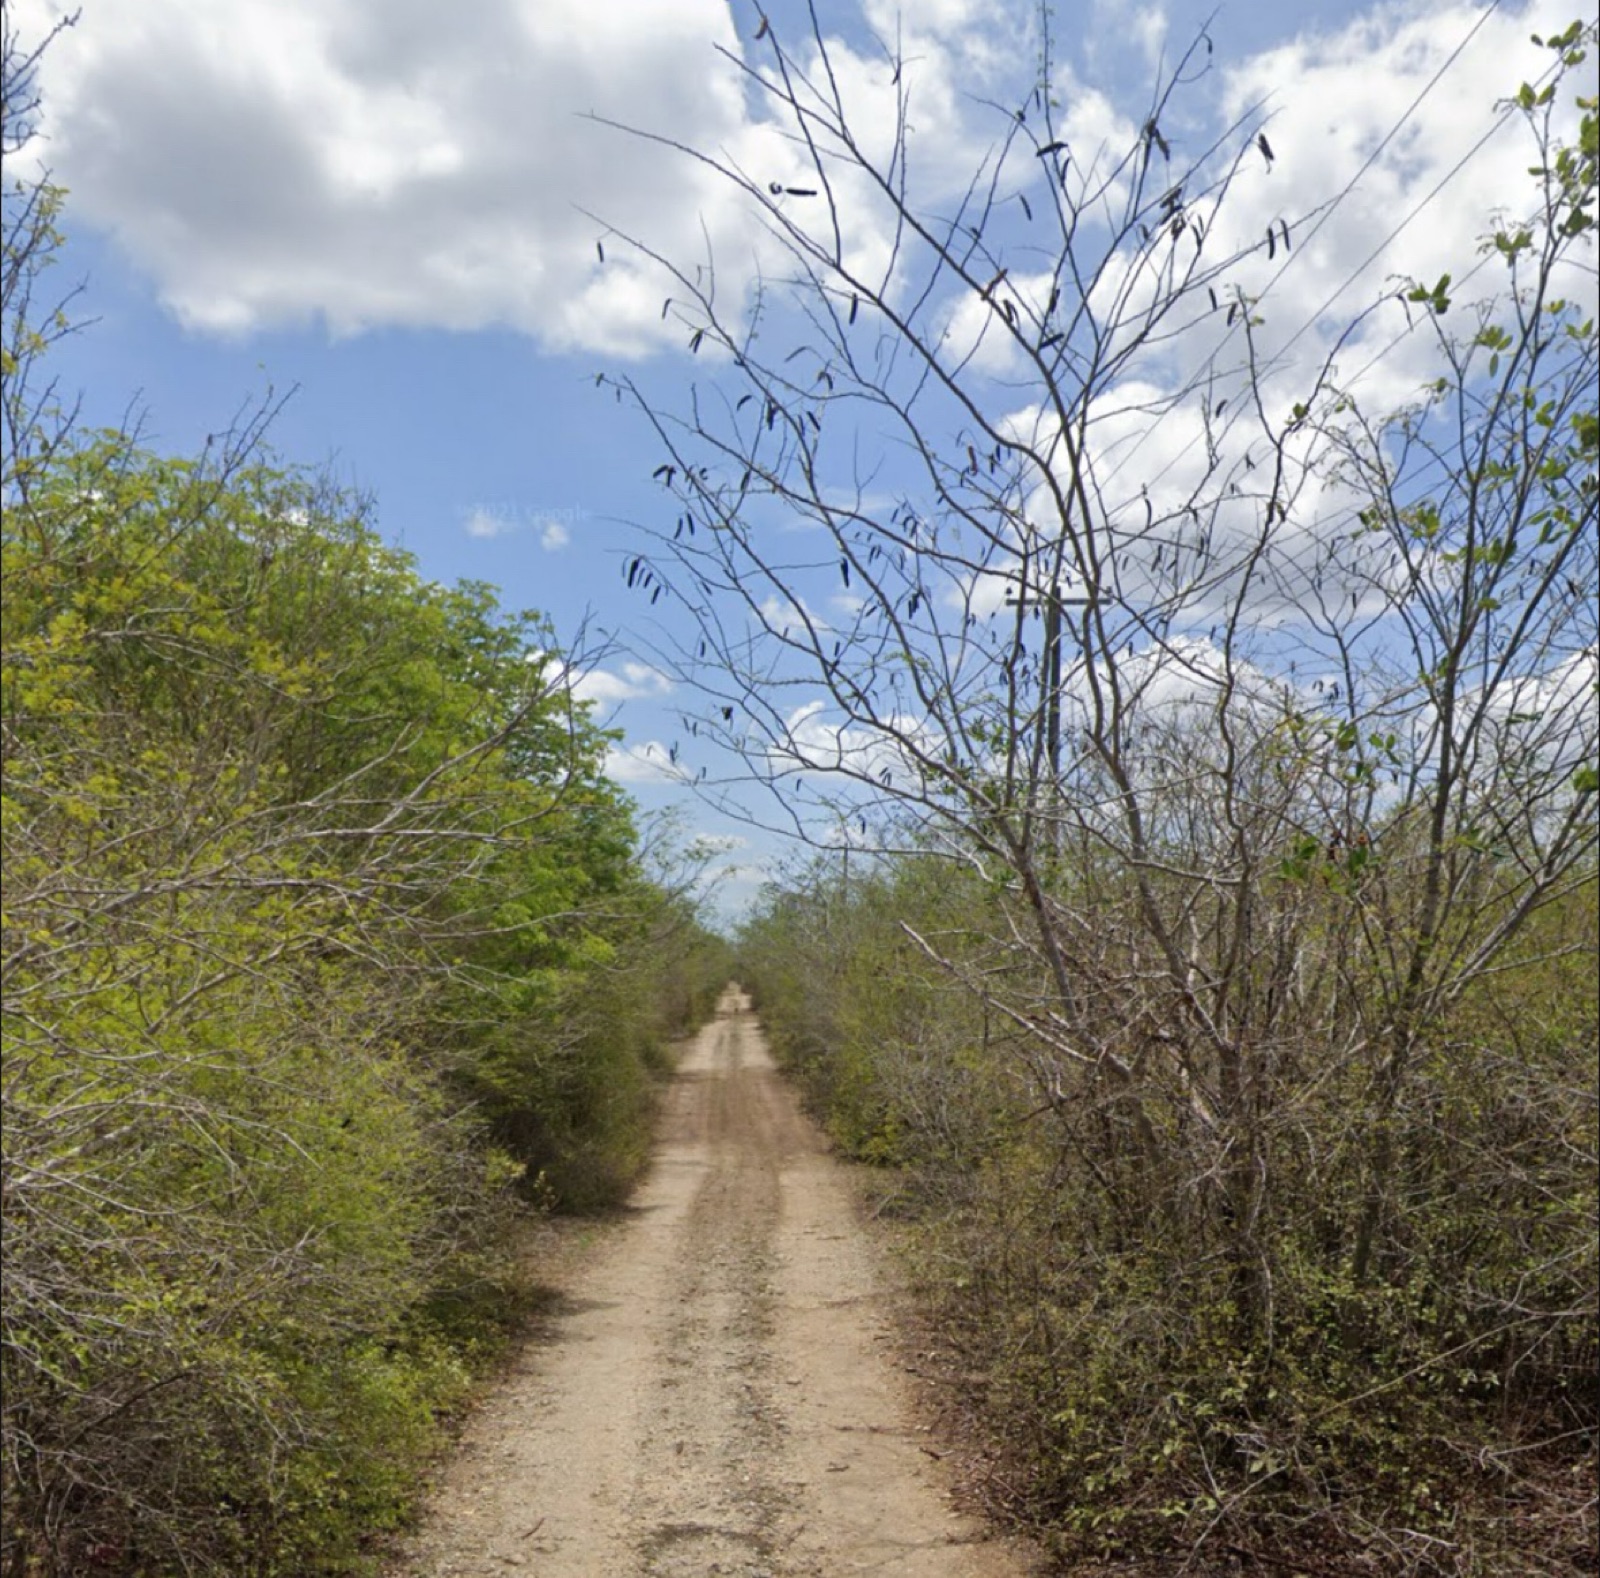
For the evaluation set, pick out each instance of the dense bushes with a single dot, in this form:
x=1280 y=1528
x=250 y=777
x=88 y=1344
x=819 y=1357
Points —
x=564 y=1070
x=1154 y=1397
x=1259 y=954
x=322 y=929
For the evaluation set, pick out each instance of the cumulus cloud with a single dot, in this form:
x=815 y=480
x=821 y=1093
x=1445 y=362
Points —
x=281 y=161
x=284 y=161
x=1124 y=24
x=1392 y=156
x=782 y=616
x=631 y=683
x=718 y=844
x=981 y=331
x=1178 y=683
x=360 y=164
x=811 y=741
x=1549 y=717
x=487 y=520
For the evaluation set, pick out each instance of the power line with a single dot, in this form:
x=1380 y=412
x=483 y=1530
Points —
x=1324 y=214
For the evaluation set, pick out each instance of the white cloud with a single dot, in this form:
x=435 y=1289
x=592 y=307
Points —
x=981 y=331
x=1179 y=683
x=273 y=162
x=279 y=162
x=647 y=762
x=1149 y=27
x=283 y=161
x=605 y=686
x=1549 y=716
x=1122 y=24
x=485 y=524
x=783 y=617
x=808 y=741
x=1332 y=100
x=718 y=844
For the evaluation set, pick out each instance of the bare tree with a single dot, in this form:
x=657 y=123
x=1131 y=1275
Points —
x=32 y=419
x=1005 y=528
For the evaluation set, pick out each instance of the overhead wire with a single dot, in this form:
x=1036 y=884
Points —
x=1277 y=363
x=1324 y=214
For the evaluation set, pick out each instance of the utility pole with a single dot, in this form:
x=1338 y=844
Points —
x=1054 y=603
x=1052 y=668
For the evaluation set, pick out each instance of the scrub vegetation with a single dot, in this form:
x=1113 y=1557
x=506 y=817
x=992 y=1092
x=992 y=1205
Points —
x=1202 y=767
x=1201 y=935
x=1154 y=1396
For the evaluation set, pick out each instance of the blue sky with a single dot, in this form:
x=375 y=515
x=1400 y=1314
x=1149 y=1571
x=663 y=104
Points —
x=388 y=209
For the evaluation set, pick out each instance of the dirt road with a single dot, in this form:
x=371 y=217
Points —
x=719 y=1397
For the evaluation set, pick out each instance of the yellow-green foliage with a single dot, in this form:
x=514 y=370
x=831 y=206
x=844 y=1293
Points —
x=900 y=1059
x=297 y=846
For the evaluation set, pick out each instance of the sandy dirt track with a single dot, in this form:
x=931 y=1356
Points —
x=719 y=1396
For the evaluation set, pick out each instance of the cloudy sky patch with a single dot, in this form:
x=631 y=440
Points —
x=422 y=224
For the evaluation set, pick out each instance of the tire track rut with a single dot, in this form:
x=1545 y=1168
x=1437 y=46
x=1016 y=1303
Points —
x=718 y=1396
